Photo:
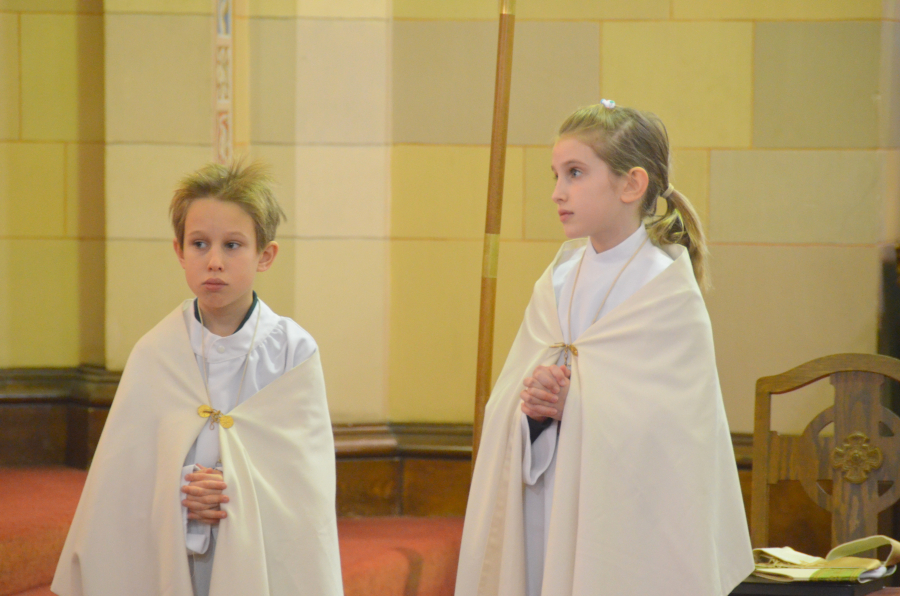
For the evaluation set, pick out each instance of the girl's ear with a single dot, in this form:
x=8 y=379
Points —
x=636 y=181
x=267 y=256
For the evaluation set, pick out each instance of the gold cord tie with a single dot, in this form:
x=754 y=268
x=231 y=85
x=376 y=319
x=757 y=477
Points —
x=568 y=348
x=215 y=416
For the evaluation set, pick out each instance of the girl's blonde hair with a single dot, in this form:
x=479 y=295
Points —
x=626 y=138
x=248 y=186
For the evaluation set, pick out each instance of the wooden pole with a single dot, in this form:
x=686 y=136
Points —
x=492 y=219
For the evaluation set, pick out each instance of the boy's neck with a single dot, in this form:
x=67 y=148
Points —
x=226 y=320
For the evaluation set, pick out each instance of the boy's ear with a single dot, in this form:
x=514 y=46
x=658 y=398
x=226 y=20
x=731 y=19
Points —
x=267 y=256
x=636 y=181
x=179 y=251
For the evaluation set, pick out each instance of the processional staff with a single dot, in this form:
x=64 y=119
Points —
x=492 y=219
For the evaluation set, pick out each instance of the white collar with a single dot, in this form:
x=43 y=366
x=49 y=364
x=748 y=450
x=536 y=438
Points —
x=236 y=345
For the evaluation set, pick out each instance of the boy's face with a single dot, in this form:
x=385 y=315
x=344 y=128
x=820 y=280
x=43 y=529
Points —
x=219 y=255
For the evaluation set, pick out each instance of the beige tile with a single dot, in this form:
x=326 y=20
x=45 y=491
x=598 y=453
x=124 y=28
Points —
x=521 y=264
x=593 y=9
x=433 y=330
x=9 y=74
x=278 y=286
x=198 y=7
x=159 y=79
x=32 y=189
x=773 y=308
x=241 y=83
x=39 y=314
x=273 y=80
x=326 y=9
x=550 y=79
x=85 y=194
x=889 y=84
x=797 y=196
x=92 y=302
x=440 y=191
x=816 y=84
x=342 y=76
x=283 y=164
x=140 y=180
x=690 y=174
x=541 y=219
x=776 y=9
x=443 y=81
x=71 y=6
x=441 y=9
x=700 y=86
x=145 y=284
x=342 y=297
x=890 y=9
x=62 y=77
x=890 y=192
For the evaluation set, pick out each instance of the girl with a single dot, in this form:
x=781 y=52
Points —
x=215 y=472
x=606 y=464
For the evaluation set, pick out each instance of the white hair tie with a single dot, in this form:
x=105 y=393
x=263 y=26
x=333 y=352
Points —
x=668 y=192
x=607 y=103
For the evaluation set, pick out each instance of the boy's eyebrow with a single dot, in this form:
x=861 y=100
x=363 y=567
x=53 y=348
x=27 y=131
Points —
x=569 y=162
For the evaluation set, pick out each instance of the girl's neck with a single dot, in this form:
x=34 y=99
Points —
x=613 y=238
x=225 y=321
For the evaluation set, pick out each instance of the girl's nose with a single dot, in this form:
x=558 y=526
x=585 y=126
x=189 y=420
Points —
x=558 y=196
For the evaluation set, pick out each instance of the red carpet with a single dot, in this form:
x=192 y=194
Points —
x=398 y=556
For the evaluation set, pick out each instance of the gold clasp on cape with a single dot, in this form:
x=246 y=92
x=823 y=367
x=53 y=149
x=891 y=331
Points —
x=215 y=416
x=568 y=348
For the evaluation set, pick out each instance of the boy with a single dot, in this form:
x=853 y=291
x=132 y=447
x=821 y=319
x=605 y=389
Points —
x=215 y=472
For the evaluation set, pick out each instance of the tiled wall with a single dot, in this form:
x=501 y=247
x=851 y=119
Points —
x=51 y=183
x=375 y=116
x=783 y=119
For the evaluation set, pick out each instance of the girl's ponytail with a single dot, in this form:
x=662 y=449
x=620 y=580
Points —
x=680 y=224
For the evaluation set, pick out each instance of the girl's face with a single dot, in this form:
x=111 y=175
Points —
x=589 y=196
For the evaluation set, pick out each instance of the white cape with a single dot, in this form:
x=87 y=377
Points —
x=647 y=498
x=280 y=536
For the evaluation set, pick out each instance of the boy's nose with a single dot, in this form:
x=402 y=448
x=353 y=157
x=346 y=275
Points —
x=557 y=195
x=215 y=260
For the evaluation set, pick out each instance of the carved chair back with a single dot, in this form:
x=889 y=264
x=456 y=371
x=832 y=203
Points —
x=860 y=461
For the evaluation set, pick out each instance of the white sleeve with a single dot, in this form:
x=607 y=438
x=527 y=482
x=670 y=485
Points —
x=196 y=534
x=536 y=456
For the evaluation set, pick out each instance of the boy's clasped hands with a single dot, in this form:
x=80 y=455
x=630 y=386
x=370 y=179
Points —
x=545 y=392
x=204 y=495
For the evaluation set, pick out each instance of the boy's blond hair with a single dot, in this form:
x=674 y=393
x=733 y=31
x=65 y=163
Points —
x=626 y=138
x=248 y=186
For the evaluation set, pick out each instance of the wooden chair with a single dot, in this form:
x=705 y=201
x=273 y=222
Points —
x=861 y=457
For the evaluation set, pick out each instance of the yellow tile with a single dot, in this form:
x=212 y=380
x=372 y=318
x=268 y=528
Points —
x=521 y=264
x=443 y=81
x=62 y=77
x=343 y=66
x=140 y=180
x=71 y=6
x=171 y=100
x=435 y=287
x=541 y=219
x=803 y=72
x=348 y=321
x=341 y=191
x=690 y=174
x=889 y=101
x=890 y=192
x=773 y=308
x=273 y=80
x=85 y=195
x=277 y=286
x=40 y=316
x=32 y=189
x=441 y=9
x=9 y=74
x=201 y=7
x=283 y=164
x=776 y=9
x=323 y=9
x=797 y=196
x=593 y=9
x=441 y=192
x=700 y=86
x=138 y=297
x=91 y=302
x=550 y=79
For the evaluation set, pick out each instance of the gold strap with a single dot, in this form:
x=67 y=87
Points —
x=215 y=416
x=568 y=348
